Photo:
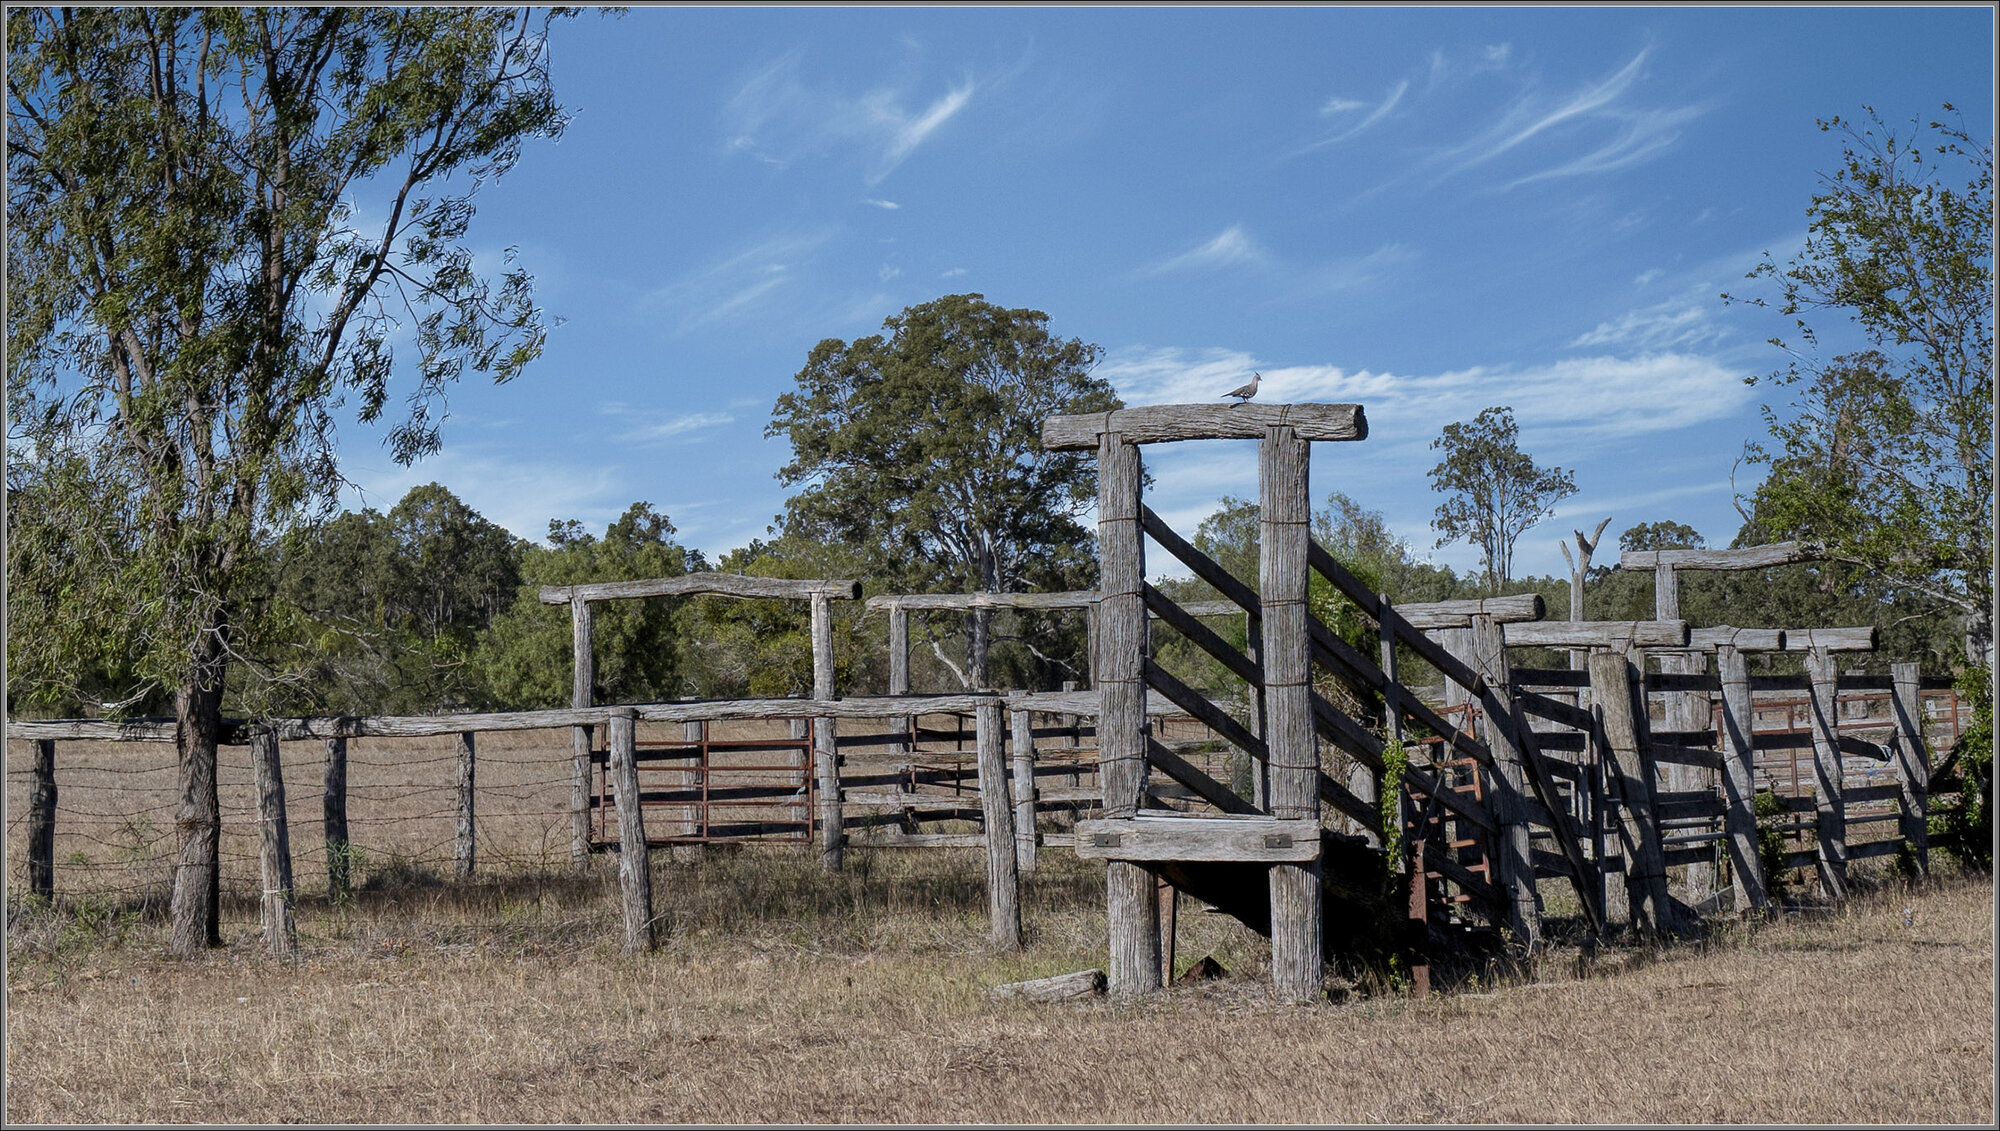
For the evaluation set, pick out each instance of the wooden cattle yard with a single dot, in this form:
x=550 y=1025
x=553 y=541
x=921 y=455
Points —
x=1628 y=779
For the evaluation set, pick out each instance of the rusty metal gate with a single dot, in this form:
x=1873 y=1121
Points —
x=704 y=789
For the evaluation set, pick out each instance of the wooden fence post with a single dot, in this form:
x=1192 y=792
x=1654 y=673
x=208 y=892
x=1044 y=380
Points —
x=1022 y=725
x=1739 y=781
x=1285 y=509
x=1513 y=847
x=1828 y=773
x=1617 y=692
x=42 y=822
x=688 y=818
x=1260 y=773
x=1118 y=670
x=635 y=873
x=274 y=856
x=333 y=804
x=826 y=746
x=899 y=672
x=583 y=675
x=1913 y=765
x=466 y=843
x=1003 y=878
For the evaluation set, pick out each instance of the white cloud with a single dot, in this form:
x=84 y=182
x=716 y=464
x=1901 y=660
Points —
x=1232 y=246
x=954 y=273
x=1586 y=401
x=1682 y=322
x=885 y=205
x=1648 y=276
x=738 y=283
x=777 y=116
x=1337 y=105
x=646 y=432
x=888 y=272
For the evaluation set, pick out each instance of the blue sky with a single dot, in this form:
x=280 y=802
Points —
x=1427 y=211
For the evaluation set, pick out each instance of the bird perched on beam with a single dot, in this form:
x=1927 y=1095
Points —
x=1245 y=392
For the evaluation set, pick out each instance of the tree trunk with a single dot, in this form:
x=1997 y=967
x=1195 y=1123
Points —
x=194 y=909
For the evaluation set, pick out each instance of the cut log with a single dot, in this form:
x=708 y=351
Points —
x=1062 y=987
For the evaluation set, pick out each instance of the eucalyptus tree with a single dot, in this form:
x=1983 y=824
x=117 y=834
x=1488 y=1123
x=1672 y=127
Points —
x=1883 y=454
x=921 y=447
x=1493 y=490
x=224 y=225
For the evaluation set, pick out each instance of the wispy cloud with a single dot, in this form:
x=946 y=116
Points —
x=1235 y=249
x=1230 y=247
x=1687 y=320
x=650 y=429
x=1586 y=401
x=1340 y=106
x=740 y=282
x=885 y=205
x=519 y=495
x=778 y=116
x=953 y=273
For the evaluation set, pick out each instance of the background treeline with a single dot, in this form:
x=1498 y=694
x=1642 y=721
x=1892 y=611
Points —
x=431 y=607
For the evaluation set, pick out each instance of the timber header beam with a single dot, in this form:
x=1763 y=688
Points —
x=1458 y=614
x=1830 y=639
x=1750 y=557
x=1619 y=634
x=1074 y=599
x=1161 y=423
x=726 y=584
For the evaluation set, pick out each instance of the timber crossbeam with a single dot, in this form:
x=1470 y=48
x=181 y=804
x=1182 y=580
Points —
x=1164 y=423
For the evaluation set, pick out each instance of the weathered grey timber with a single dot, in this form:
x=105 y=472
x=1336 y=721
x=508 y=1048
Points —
x=333 y=807
x=465 y=844
x=1284 y=514
x=42 y=821
x=1618 y=698
x=1252 y=838
x=1458 y=614
x=1003 y=877
x=1072 y=599
x=1118 y=665
x=696 y=584
x=1020 y=725
x=899 y=669
x=1913 y=764
x=1830 y=793
x=635 y=873
x=1062 y=987
x=1739 y=782
x=1162 y=423
x=1579 y=569
x=826 y=759
x=1741 y=639
x=1517 y=869
x=1620 y=634
x=1689 y=712
x=1751 y=557
x=583 y=677
x=1830 y=639
x=274 y=848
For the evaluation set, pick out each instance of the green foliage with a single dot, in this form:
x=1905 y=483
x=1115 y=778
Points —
x=394 y=606
x=1882 y=456
x=525 y=659
x=763 y=648
x=1662 y=535
x=1493 y=491
x=1771 y=851
x=1966 y=828
x=921 y=449
x=1395 y=764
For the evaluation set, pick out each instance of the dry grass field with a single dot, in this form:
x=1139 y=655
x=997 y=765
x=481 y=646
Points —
x=781 y=995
